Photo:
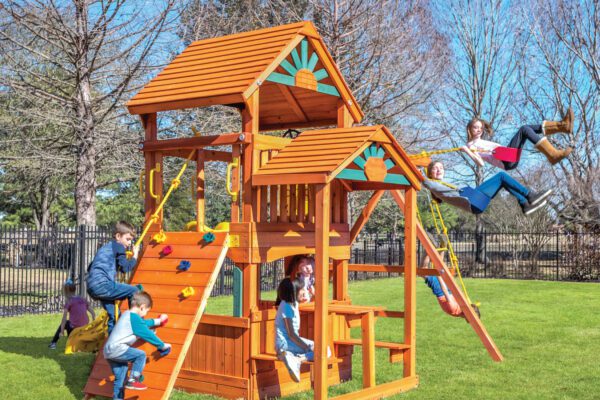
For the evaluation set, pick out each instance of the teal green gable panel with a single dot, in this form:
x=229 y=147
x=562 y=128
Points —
x=396 y=178
x=360 y=162
x=320 y=74
x=389 y=163
x=313 y=61
x=327 y=89
x=353 y=174
x=304 y=51
x=281 y=78
x=296 y=59
x=289 y=67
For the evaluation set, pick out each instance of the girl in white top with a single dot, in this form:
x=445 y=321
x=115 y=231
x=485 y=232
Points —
x=480 y=150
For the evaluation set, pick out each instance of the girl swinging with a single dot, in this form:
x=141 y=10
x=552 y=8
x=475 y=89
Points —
x=480 y=150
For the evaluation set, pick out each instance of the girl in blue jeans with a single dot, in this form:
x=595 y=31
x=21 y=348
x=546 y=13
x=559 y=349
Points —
x=291 y=348
x=475 y=200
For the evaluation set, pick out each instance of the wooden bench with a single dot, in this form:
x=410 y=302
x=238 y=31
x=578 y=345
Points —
x=396 y=349
x=273 y=357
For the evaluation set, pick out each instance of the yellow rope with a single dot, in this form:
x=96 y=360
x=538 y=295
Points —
x=174 y=185
x=453 y=258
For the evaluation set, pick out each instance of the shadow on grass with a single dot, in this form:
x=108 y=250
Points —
x=76 y=367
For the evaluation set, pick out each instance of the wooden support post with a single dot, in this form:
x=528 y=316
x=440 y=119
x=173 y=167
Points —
x=235 y=185
x=445 y=274
x=344 y=118
x=249 y=126
x=364 y=216
x=322 y=222
x=250 y=337
x=151 y=134
x=410 y=269
x=368 y=349
x=340 y=280
x=200 y=207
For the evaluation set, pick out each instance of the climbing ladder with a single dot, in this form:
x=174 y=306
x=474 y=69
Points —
x=446 y=276
x=158 y=272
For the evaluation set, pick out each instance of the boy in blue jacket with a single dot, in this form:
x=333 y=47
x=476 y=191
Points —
x=102 y=271
x=118 y=351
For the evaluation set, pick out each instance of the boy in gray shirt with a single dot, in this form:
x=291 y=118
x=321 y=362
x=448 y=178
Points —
x=118 y=351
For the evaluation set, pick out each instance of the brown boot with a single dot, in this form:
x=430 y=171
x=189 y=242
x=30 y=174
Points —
x=566 y=125
x=553 y=155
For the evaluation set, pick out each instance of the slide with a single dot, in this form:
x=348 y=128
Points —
x=158 y=272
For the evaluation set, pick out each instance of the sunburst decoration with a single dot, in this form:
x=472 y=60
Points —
x=373 y=167
x=302 y=72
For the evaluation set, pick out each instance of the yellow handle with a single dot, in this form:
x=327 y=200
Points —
x=234 y=164
x=151 y=183
x=141 y=183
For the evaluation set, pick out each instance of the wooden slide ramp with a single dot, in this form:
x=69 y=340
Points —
x=160 y=277
x=446 y=276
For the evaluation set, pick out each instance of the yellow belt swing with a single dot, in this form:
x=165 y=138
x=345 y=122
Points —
x=440 y=227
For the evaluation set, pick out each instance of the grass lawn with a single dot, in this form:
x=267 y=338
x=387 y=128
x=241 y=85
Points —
x=548 y=332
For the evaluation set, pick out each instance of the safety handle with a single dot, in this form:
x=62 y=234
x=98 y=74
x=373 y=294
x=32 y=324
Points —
x=141 y=183
x=234 y=164
x=151 y=183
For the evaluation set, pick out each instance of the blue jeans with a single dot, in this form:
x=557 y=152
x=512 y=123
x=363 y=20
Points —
x=107 y=293
x=120 y=365
x=532 y=133
x=492 y=186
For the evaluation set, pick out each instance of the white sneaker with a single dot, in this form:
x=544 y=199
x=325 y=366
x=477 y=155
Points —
x=292 y=364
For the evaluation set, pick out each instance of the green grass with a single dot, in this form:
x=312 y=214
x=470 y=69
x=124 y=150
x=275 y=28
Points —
x=548 y=332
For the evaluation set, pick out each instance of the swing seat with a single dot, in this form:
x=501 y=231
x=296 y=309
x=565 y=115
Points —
x=508 y=154
x=478 y=200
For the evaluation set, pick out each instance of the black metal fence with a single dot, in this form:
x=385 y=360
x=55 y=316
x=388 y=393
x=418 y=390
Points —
x=35 y=264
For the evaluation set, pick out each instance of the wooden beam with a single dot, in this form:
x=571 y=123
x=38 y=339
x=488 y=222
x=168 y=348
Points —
x=340 y=280
x=381 y=391
x=288 y=179
x=200 y=207
x=446 y=275
x=268 y=142
x=344 y=118
x=196 y=142
x=368 y=349
x=249 y=124
x=410 y=290
x=289 y=97
x=357 y=185
x=365 y=214
x=390 y=269
x=321 y=334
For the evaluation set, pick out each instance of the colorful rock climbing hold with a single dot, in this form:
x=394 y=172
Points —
x=166 y=251
x=187 y=292
x=184 y=265
x=208 y=237
x=159 y=237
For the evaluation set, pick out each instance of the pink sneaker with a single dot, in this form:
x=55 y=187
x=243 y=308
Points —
x=135 y=384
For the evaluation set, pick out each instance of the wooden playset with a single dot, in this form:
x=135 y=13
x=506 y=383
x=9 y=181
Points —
x=288 y=197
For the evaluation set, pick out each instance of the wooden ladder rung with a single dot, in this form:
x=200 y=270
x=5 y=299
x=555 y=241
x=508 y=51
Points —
x=385 y=345
x=273 y=357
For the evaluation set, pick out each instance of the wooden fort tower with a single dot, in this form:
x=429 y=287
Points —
x=289 y=196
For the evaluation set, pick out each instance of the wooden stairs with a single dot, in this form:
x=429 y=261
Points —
x=158 y=272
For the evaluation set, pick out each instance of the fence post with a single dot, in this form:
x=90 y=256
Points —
x=82 y=260
x=557 y=255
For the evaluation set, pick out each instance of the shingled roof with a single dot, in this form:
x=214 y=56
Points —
x=363 y=153
x=300 y=85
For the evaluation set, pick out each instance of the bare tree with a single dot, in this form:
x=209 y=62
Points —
x=564 y=71
x=73 y=63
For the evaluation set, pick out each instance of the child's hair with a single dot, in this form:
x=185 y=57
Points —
x=286 y=291
x=487 y=127
x=141 y=299
x=430 y=167
x=292 y=268
x=123 y=228
x=299 y=284
x=69 y=287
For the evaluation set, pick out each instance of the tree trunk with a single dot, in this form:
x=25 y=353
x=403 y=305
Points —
x=85 y=187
